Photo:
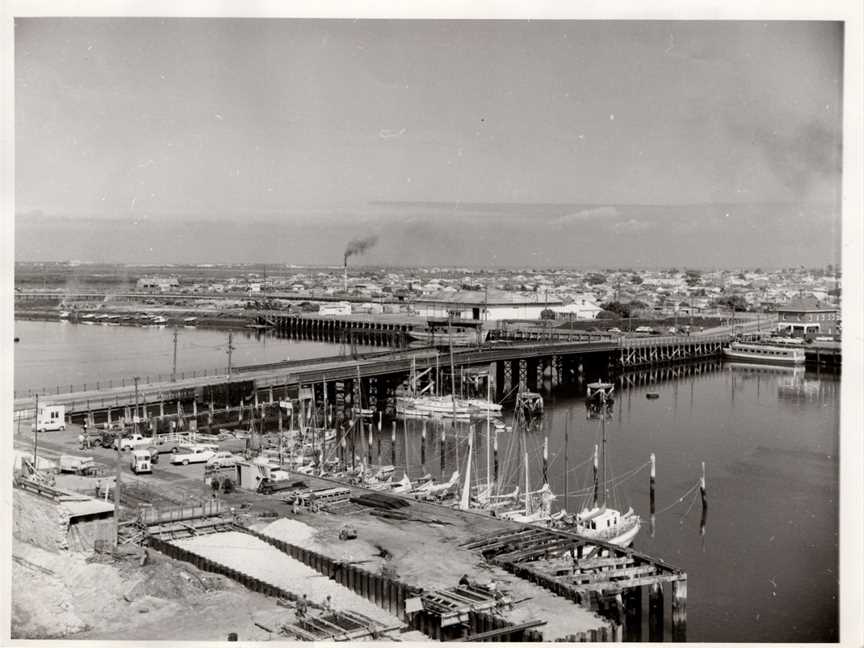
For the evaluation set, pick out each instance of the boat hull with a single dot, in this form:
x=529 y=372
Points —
x=750 y=358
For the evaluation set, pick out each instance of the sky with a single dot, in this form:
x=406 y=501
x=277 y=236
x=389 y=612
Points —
x=538 y=143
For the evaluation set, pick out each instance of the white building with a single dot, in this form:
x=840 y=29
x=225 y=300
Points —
x=494 y=305
x=335 y=308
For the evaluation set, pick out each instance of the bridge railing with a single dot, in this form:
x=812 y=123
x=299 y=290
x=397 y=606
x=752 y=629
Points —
x=124 y=382
x=667 y=339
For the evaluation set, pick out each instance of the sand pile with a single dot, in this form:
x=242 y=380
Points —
x=256 y=558
x=326 y=542
x=289 y=530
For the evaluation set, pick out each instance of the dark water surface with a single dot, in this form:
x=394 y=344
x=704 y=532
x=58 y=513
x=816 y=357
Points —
x=766 y=567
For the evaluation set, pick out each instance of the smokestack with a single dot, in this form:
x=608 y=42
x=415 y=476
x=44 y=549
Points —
x=357 y=246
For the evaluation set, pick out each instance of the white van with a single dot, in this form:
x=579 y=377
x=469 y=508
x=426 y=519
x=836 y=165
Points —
x=140 y=462
x=51 y=418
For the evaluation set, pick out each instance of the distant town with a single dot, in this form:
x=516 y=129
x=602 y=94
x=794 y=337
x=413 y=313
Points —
x=498 y=294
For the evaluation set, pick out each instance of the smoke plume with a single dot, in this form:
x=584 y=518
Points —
x=359 y=246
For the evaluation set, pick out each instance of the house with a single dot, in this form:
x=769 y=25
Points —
x=808 y=317
x=158 y=283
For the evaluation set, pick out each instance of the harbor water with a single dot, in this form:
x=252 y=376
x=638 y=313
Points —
x=52 y=354
x=765 y=566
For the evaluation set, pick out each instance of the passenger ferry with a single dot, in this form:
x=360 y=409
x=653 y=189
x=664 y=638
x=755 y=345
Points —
x=764 y=354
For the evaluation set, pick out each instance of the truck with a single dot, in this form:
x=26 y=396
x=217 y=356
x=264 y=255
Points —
x=140 y=461
x=51 y=418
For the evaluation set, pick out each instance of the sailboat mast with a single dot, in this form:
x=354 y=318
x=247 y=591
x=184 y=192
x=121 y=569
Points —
x=452 y=368
x=527 y=480
x=466 y=486
x=603 y=447
x=488 y=449
x=566 y=468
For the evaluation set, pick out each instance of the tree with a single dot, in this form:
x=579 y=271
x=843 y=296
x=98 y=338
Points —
x=595 y=278
x=692 y=277
x=636 y=279
x=605 y=314
x=732 y=302
x=619 y=309
x=547 y=314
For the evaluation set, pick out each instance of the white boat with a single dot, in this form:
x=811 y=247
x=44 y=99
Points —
x=764 y=354
x=64 y=314
x=608 y=524
x=600 y=521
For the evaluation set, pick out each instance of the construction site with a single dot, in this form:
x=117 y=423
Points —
x=206 y=552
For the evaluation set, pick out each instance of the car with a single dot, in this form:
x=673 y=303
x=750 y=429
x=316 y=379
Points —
x=614 y=329
x=192 y=454
x=223 y=459
x=132 y=442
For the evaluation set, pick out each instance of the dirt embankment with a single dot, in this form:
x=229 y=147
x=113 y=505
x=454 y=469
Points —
x=61 y=594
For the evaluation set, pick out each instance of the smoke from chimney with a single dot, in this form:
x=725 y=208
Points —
x=357 y=246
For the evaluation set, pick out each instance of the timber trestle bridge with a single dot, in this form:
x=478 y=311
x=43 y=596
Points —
x=506 y=367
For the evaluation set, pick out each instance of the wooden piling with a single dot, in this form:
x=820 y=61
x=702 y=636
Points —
x=423 y=446
x=443 y=439
x=655 y=613
x=679 y=610
x=633 y=614
x=653 y=478
x=393 y=446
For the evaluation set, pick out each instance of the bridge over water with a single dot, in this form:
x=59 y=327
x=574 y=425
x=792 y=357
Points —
x=506 y=367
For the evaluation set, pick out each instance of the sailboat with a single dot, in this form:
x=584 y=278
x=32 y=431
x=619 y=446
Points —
x=602 y=522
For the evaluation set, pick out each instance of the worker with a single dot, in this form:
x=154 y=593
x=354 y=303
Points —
x=302 y=607
x=328 y=603
x=464 y=581
x=81 y=441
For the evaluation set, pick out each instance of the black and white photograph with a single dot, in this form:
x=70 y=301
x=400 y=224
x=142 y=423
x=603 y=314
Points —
x=448 y=324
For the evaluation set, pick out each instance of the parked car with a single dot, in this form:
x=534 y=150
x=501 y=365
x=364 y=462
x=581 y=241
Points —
x=132 y=442
x=191 y=454
x=222 y=459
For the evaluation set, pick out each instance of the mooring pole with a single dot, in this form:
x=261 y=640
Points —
x=423 y=447
x=393 y=445
x=443 y=438
x=653 y=478
x=380 y=416
x=369 y=444
x=703 y=492
x=596 y=483
x=495 y=457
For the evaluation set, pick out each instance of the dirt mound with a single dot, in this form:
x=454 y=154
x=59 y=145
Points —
x=60 y=594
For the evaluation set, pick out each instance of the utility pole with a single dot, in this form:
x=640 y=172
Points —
x=174 y=363
x=36 y=433
x=135 y=417
x=230 y=349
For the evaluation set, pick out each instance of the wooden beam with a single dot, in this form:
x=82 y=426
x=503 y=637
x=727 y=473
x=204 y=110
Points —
x=610 y=574
x=506 y=630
